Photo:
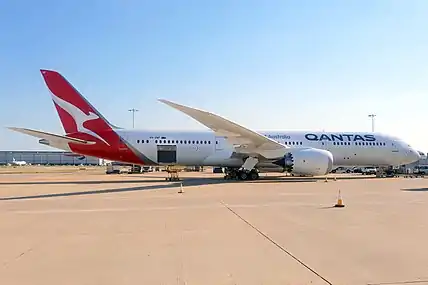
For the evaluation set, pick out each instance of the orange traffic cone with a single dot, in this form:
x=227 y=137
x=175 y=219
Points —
x=339 y=203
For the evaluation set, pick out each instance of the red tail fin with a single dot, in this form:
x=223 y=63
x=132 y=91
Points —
x=76 y=113
x=82 y=121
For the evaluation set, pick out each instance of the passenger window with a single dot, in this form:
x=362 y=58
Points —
x=156 y=141
x=138 y=141
x=147 y=141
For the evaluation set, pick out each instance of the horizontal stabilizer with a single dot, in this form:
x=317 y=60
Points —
x=50 y=137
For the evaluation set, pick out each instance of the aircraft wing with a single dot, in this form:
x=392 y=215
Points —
x=237 y=135
x=49 y=136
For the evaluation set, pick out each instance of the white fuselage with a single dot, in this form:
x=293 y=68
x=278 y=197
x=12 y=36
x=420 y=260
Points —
x=297 y=152
x=203 y=148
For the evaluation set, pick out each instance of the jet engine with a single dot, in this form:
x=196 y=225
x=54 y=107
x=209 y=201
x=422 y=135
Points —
x=307 y=161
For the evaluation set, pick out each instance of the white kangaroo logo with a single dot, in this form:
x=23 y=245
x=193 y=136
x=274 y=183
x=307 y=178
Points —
x=79 y=116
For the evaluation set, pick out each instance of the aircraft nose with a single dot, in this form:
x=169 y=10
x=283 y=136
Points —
x=413 y=155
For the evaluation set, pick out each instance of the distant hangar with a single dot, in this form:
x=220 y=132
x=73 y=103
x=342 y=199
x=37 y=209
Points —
x=48 y=158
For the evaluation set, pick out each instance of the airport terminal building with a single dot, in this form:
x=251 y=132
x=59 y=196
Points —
x=47 y=158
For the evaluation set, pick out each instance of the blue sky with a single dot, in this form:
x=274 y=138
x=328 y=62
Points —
x=308 y=65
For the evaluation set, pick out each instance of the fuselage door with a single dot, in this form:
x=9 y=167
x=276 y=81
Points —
x=167 y=154
x=219 y=143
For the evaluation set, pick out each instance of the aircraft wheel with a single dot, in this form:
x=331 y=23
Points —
x=254 y=175
x=243 y=175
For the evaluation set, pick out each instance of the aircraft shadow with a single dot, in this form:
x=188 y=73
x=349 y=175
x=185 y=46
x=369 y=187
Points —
x=415 y=189
x=92 y=192
x=83 y=182
x=191 y=180
x=175 y=184
x=186 y=182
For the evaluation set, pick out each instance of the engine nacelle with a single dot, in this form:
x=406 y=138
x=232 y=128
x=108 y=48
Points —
x=307 y=161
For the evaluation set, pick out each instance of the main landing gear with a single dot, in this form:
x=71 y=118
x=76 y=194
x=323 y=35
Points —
x=235 y=173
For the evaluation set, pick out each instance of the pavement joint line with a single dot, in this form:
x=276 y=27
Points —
x=401 y=282
x=7 y=263
x=277 y=245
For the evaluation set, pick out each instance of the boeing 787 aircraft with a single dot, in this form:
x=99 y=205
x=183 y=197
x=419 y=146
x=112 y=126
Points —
x=243 y=152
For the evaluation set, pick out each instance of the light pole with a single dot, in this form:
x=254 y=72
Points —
x=372 y=116
x=133 y=124
x=133 y=116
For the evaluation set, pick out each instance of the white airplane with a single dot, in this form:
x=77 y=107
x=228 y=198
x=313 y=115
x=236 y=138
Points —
x=243 y=152
x=18 y=162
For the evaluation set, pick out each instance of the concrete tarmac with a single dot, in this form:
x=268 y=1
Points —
x=137 y=229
